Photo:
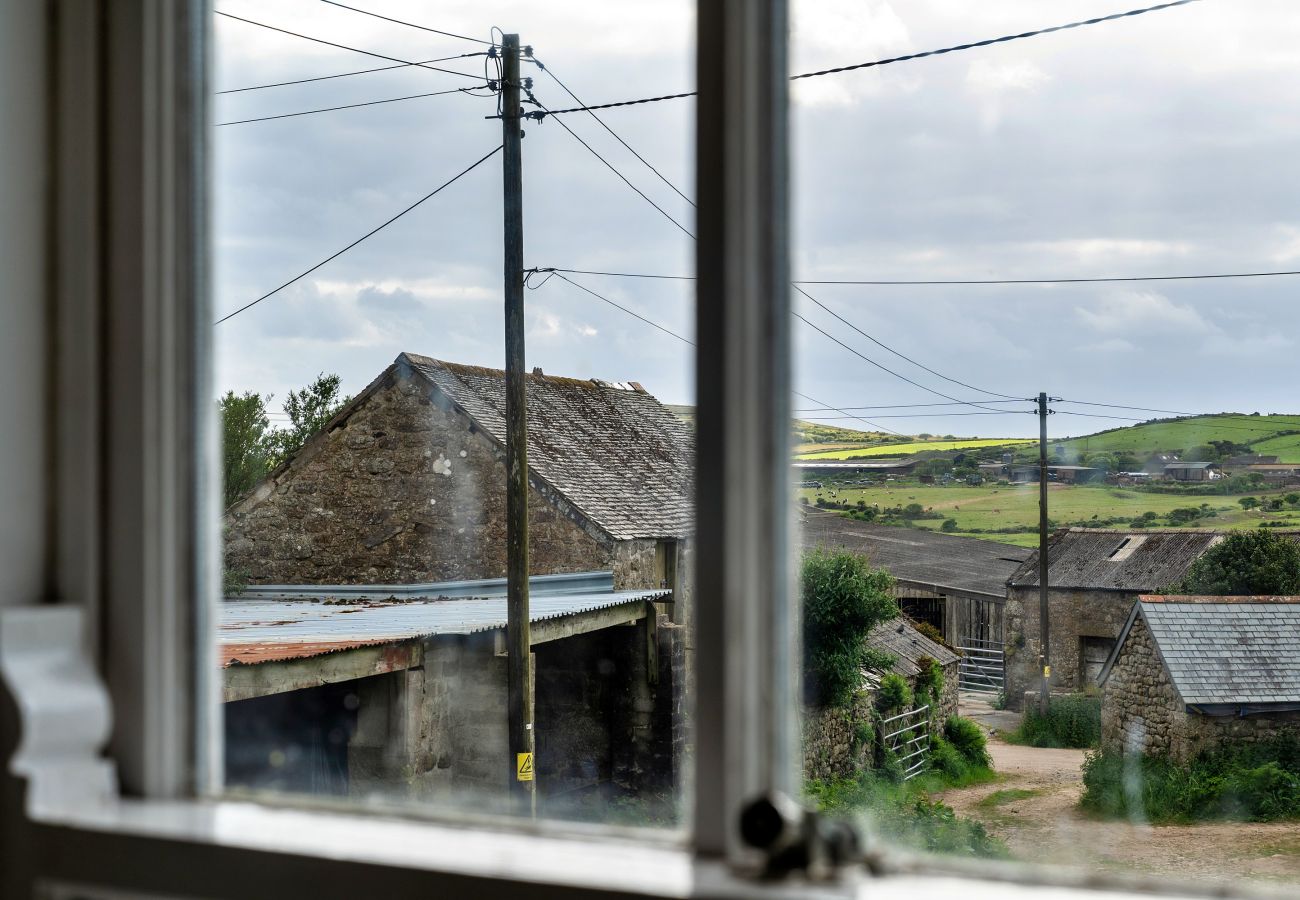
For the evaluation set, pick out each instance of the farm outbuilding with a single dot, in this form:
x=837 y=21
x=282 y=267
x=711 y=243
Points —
x=1192 y=471
x=1192 y=673
x=956 y=584
x=1094 y=577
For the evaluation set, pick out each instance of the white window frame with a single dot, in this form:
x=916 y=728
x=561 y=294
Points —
x=89 y=811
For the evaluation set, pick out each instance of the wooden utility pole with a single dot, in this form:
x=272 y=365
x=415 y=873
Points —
x=518 y=638
x=1044 y=653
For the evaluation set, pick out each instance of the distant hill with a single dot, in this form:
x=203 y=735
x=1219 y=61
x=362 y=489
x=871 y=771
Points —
x=1273 y=435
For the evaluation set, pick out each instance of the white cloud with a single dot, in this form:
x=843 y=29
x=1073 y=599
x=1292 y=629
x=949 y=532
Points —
x=1143 y=314
x=990 y=78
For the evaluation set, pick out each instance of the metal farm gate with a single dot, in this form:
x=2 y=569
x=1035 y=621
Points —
x=909 y=739
x=981 y=666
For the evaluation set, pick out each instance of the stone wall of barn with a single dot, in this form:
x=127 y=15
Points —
x=1074 y=614
x=1141 y=711
x=404 y=490
x=839 y=741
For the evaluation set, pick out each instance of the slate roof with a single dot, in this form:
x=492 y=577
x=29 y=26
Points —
x=901 y=638
x=943 y=561
x=1100 y=559
x=1225 y=650
x=612 y=450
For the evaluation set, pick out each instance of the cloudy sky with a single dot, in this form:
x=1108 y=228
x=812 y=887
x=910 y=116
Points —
x=1162 y=144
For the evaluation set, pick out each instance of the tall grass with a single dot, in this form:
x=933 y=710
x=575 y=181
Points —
x=1250 y=782
x=1073 y=720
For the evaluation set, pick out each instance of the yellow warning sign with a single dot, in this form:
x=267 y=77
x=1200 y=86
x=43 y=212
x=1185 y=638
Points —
x=1047 y=671
x=523 y=767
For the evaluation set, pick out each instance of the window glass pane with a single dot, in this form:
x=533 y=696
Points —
x=360 y=175
x=984 y=226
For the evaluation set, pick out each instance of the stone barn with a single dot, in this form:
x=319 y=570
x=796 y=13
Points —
x=1094 y=577
x=406 y=484
x=1191 y=673
x=831 y=744
x=401 y=497
x=956 y=584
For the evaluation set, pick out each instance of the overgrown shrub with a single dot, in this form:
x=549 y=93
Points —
x=905 y=815
x=929 y=682
x=930 y=631
x=968 y=739
x=1073 y=720
x=947 y=759
x=1251 y=782
x=843 y=599
x=1245 y=563
x=894 y=693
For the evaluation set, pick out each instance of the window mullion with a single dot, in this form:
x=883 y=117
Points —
x=744 y=681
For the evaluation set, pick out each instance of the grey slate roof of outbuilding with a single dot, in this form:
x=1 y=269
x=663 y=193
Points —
x=1096 y=559
x=1225 y=650
x=944 y=561
x=613 y=451
x=901 y=638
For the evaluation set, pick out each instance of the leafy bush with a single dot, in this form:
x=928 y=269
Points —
x=947 y=759
x=1245 y=563
x=843 y=599
x=930 y=631
x=968 y=739
x=894 y=693
x=904 y=813
x=1073 y=720
x=1252 y=782
x=929 y=682
x=949 y=525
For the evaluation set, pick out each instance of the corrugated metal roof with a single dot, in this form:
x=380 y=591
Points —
x=1228 y=650
x=1094 y=559
x=944 y=561
x=260 y=630
x=615 y=452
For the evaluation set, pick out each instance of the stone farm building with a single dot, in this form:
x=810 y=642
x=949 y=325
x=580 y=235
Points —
x=406 y=484
x=1094 y=578
x=1191 y=673
x=832 y=745
x=375 y=559
x=957 y=584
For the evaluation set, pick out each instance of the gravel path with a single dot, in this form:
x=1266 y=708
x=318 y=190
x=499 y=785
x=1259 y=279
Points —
x=1034 y=808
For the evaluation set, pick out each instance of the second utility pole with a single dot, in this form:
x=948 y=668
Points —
x=519 y=669
x=1044 y=653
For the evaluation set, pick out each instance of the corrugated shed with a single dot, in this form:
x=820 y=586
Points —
x=962 y=564
x=253 y=631
x=1097 y=559
x=613 y=451
x=900 y=638
x=1228 y=650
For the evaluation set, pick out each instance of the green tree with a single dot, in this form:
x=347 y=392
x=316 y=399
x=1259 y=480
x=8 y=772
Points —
x=246 y=443
x=948 y=525
x=843 y=599
x=1292 y=498
x=1246 y=563
x=308 y=410
x=1248 y=502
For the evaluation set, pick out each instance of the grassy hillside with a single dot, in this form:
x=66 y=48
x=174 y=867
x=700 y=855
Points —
x=1262 y=433
x=980 y=511
x=910 y=448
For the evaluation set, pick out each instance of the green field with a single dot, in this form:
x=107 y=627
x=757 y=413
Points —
x=915 y=447
x=988 y=507
x=1181 y=434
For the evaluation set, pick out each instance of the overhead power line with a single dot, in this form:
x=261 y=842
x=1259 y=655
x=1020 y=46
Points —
x=405 y=62
x=602 y=124
x=684 y=340
x=964 y=281
x=897 y=59
x=831 y=337
x=366 y=12
x=908 y=405
x=368 y=234
x=422 y=62
x=312 y=112
x=933 y=415
x=1216 y=425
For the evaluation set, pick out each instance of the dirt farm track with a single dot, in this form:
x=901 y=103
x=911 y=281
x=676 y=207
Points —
x=1034 y=808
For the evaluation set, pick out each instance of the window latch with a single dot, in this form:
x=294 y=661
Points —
x=795 y=839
